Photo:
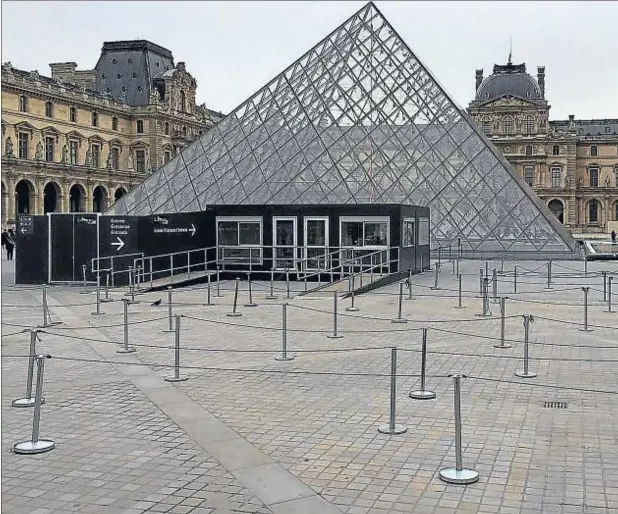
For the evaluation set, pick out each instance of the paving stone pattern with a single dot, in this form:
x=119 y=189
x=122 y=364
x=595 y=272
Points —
x=316 y=416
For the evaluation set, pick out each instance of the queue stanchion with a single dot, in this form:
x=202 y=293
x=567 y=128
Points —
x=502 y=344
x=335 y=334
x=272 y=296
x=526 y=373
x=176 y=377
x=585 y=329
x=393 y=428
x=170 y=313
x=422 y=393
x=125 y=348
x=235 y=313
x=29 y=400
x=284 y=335
x=250 y=302
x=400 y=318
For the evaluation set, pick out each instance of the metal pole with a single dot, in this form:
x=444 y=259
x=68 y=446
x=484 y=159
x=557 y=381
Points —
x=133 y=273
x=250 y=304
x=609 y=293
x=36 y=445
x=494 y=284
x=459 y=305
x=437 y=277
x=98 y=308
x=106 y=299
x=45 y=308
x=604 y=286
x=422 y=393
x=585 y=266
x=335 y=335
x=84 y=274
x=176 y=377
x=453 y=264
x=272 y=296
x=392 y=428
x=481 y=283
x=458 y=263
x=458 y=474
x=502 y=344
x=170 y=321
x=284 y=335
x=125 y=348
x=29 y=400
x=548 y=274
x=526 y=373
x=409 y=284
x=234 y=313
x=287 y=282
x=515 y=279
x=208 y=294
x=131 y=277
x=585 y=329
x=399 y=319
x=218 y=295
x=352 y=307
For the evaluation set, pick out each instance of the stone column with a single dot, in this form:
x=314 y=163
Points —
x=10 y=212
x=89 y=198
x=40 y=200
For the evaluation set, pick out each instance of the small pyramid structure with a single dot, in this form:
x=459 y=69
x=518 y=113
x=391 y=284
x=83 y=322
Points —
x=358 y=119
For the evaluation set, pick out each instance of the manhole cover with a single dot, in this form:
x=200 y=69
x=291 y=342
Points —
x=555 y=405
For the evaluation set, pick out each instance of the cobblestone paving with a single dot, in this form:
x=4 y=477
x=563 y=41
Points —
x=317 y=415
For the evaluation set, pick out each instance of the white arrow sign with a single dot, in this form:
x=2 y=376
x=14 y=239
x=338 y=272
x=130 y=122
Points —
x=23 y=230
x=119 y=244
x=193 y=229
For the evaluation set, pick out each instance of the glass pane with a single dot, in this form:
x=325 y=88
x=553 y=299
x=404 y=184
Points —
x=249 y=233
x=316 y=233
x=376 y=233
x=284 y=233
x=351 y=233
x=228 y=233
x=284 y=257
x=408 y=233
x=316 y=258
x=423 y=231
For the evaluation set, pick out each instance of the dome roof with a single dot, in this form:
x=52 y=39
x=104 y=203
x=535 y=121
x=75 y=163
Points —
x=510 y=79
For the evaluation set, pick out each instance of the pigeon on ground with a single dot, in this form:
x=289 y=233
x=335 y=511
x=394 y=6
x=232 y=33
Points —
x=156 y=303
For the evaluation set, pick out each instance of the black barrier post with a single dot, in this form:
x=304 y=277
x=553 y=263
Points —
x=495 y=286
x=284 y=335
x=176 y=376
x=36 y=445
x=481 y=283
x=549 y=262
x=85 y=290
x=45 y=307
x=272 y=296
x=422 y=393
x=585 y=329
x=125 y=348
x=459 y=305
x=409 y=285
x=29 y=400
x=250 y=303
x=458 y=475
x=604 y=273
x=436 y=285
x=234 y=313
x=392 y=428
x=515 y=279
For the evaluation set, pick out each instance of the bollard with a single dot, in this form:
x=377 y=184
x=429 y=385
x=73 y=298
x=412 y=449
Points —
x=481 y=283
x=502 y=344
x=170 y=323
x=458 y=475
x=287 y=282
x=208 y=293
x=485 y=298
x=133 y=275
x=526 y=373
x=107 y=298
x=609 y=294
x=515 y=279
x=604 y=273
x=437 y=277
x=29 y=400
x=392 y=428
x=352 y=307
x=494 y=286
x=234 y=313
x=36 y=445
x=125 y=348
x=218 y=295
x=459 y=305
x=399 y=319
x=284 y=335
x=98 y=308
x=176 y=377
x=585 y=329
x=85 y=290
x=409 y=285
x=334 y=335
x=272 y=296
x=422 y=393
x=548 y=274
x=131 y=278
x=250 y=304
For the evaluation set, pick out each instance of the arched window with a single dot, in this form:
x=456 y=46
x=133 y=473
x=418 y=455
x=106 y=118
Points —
x=167 y=128
x=593 y=211
x=594 y=151
x=73 y=115
x=486 y=125
x=508 y=127
x=95 y=119
x=23 y=103
x=555 y=150
x=557 y=207
x=140 y=127
x=49 y=110
x=114 y=123
x=184 y=131
x=529 y=125
x=183 y=101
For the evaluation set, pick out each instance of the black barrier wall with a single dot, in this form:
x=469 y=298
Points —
x=31 y=249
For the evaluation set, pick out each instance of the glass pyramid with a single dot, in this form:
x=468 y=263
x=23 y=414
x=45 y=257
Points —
x=358 y=119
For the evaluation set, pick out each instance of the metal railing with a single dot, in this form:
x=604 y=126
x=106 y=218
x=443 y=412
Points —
x=99 y=265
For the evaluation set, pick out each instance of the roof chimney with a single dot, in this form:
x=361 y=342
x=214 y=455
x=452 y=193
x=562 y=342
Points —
x=64 y=71
x=571 y=117
x=541 y=79
x=479 y=78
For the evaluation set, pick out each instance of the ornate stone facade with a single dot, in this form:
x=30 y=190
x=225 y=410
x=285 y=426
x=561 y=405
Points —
x=73 y=143
x=571 y=165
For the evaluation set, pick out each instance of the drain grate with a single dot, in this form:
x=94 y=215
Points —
x=555 y=405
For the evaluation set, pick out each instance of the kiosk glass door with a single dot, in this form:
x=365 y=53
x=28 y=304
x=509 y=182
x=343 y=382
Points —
x=316 y=244
x=284 y=243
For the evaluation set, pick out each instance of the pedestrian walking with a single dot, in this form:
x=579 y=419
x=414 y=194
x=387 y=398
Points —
x=613 y=237
x=10 y=244
x=4 y=236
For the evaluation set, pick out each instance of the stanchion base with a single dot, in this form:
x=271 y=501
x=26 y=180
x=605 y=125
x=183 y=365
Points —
x=208 y=304
x=352 y=309
x=26 y=402
x=250 y=305
x=85 y=292
x=280 y=358
x=130 y=349
x=234 y=314
x=610 y=311
x=435 y=288
x=52 y=324
x=422 y=395
x=458 y=476
x=458 y=307
x=585 y=329
x=410 y=299
x=270 y=298
x=483 y=315
x=396 y=430
x=133 y=302
x=399 y=320
x=504 y=346
x=168 y=330
x=32 y=448
x=175 y=379
x=97 y=313
x=521 y=374
x=107 y=301
x=333 y=336
x=217 y=296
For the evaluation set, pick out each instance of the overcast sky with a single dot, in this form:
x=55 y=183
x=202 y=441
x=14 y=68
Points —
x=234 y=48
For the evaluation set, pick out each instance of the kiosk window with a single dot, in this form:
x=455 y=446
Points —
x=408 y=232
x=423 y=231
x=364 y=233
x=239 y=240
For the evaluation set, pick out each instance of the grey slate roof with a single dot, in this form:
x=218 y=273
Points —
x=509 y=79
x=589 y=127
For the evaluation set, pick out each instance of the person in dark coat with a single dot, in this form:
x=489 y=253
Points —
x=4 y=236
x=10 y=244
x=613 y=237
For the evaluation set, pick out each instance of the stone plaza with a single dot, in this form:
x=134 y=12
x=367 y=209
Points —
x=249 y=433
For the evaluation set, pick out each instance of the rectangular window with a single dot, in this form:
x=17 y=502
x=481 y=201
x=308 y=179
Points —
x=555 y=150
x=49 y=149
x=528 y=174
x=23 y=104
x=239 y=240
x=594 y=151
x=168 y=156
x=316 y=243
x=556 y=176
x=96 y=156
x=140 y=161
x=408 y=232
x=22 y=149
x=616 y=177
x=357 y=231
x=594 y=177
x=528 y=149
x=423 y=231
x=73 y=152
x=115 y=158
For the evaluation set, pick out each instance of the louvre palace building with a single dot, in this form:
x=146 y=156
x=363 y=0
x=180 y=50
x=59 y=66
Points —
x=572 y=165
